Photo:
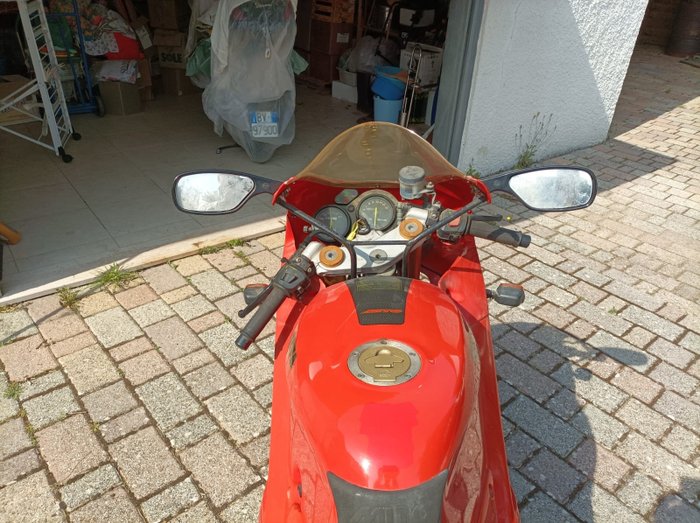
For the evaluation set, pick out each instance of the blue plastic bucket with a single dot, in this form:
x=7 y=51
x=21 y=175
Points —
x=385 y=86
x=387 y=110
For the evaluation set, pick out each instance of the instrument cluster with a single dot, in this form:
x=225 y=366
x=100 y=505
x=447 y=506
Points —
x=352 y=214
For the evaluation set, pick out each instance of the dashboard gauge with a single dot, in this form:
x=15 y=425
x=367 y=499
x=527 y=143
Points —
x=378 y=211
x=336 y=219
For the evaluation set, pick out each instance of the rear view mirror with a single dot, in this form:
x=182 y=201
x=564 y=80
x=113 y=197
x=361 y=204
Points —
x=218 y=192
x=548 y=188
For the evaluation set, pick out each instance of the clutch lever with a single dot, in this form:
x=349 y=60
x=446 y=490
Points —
x=255 y=302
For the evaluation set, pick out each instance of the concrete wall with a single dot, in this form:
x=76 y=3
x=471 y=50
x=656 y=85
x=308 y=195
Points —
x=565 y=58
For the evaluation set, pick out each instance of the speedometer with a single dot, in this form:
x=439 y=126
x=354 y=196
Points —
x=336 y=219
x=378 y=211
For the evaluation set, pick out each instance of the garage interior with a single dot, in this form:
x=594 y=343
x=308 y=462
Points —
x=112 y=202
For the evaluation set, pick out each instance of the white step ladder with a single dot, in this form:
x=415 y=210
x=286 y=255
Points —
x=56 y=128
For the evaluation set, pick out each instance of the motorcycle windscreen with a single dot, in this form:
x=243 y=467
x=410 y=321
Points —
x=419 y=504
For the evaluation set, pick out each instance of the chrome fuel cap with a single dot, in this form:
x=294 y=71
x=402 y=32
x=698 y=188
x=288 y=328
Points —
x=384 y=362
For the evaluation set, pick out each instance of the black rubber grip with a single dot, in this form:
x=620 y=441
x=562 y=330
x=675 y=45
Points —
x=499 y=234
x=262 y=316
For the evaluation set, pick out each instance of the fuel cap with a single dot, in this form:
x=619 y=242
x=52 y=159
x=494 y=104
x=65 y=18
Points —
x=384 y=362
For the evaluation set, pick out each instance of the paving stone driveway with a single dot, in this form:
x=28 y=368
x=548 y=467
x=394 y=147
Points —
x=138 y=407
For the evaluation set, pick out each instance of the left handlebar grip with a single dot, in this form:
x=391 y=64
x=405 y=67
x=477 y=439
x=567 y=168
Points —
x=262 y=316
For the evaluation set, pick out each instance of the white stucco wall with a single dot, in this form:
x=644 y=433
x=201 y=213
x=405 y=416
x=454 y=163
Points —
x=567 y=58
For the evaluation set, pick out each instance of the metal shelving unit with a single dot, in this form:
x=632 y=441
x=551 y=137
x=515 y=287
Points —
x=46 y=86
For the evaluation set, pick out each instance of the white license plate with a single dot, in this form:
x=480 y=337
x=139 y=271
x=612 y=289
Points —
x=264 y=124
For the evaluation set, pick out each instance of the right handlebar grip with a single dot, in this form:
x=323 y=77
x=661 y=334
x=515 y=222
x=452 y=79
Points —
x=262 y=316
x=499 y=234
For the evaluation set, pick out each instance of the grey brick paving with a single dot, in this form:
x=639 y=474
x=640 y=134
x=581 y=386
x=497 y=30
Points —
x=168 y=401
x=599 y=369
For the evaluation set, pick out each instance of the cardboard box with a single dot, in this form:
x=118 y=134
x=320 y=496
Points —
x=120 y=98
x=176 y=83
x=144 y=79
x=168 y=14
x=345 y=92
x=8 y=85
x=330 y=38
x=168 y=38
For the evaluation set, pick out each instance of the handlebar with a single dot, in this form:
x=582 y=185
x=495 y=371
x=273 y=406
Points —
x=498 y=234
x=262 y=316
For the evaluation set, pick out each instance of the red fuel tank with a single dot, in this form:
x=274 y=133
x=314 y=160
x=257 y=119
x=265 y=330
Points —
x=378 y=418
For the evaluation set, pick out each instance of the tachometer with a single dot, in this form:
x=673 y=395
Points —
x=336 y=219
x=378 y=211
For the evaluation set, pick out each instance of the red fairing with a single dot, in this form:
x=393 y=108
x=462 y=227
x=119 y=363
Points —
x=383 y=438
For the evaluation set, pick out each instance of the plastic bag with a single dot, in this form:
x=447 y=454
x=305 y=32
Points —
x=252 y=93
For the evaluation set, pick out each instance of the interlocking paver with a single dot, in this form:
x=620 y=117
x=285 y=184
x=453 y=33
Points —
x=679 y=409
x=244 y=509
x=171 y=501
x=109 y=402
x=19 y=465
x=30 y=500
x=218 y=469
x=208 y=380
x=144 y=367
x=145 y=462
x=553 y=475
x=599 y=464
x=97 y=302
x=212 y=284
x=191 y=432
x=113 y=326
x=89 y=486
x=15 y=325
x=193 y=361
x=642 y=418
x=44 y=410
x=168 y=401
x=163 y=278
x=122 y=425
x=254 y=371
x=131 y=349
x=193 y=307
x=27 y=358
x=61 y=328
x=113 y=507
x=70 y=448
x=136 y=296
x=593 y=503
x=173 y=338
x=640 y=493
x=597 y=424
x=89 y=369
x=8 y=405
x=238 y=414
x=74 y=344
x=13 y=438
x=151 y=313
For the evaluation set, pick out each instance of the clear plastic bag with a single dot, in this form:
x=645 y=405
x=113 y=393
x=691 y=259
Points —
x=252 y=94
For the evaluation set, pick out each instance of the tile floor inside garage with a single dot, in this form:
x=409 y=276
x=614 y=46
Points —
x=113 y=201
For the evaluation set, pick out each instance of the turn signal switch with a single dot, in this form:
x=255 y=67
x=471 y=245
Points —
x=507 y=294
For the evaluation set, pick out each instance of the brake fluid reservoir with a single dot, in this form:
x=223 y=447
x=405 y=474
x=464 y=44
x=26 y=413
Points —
x=411 y=182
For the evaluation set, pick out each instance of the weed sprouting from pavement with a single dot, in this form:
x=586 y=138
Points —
x=114 y=276
x=13 y=390
x=68 y=298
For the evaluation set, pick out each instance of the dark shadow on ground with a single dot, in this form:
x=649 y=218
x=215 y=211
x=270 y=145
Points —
x=552 y=442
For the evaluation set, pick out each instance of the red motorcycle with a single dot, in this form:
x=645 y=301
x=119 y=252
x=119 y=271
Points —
x=385 y=402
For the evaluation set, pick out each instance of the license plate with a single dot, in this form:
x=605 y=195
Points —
x=264 y=124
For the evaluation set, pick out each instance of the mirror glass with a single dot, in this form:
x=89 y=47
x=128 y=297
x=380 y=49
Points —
x=553 y=189
x=212 y=192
